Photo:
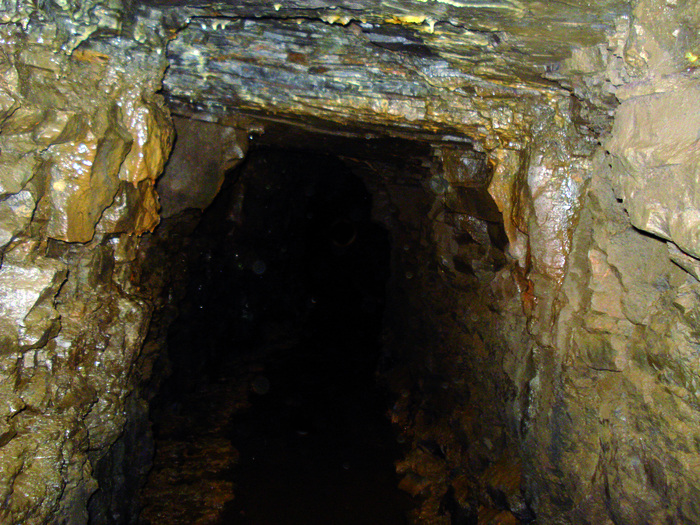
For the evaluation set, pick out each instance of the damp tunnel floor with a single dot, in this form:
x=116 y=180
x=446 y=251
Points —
x=317 y=448
x=273 y=413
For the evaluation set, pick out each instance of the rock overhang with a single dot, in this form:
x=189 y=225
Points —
x=468 y=68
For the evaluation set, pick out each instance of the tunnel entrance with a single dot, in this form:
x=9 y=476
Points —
x=272 y=413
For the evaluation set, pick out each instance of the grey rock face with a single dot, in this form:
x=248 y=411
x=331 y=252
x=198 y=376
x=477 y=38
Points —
x=202 y=154
x=654 y=143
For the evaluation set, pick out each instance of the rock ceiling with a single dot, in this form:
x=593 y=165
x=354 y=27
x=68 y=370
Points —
x=444 y=66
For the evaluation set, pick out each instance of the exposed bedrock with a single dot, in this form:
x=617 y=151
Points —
x=535 y=164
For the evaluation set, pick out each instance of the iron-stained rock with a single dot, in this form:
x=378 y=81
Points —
x=580 y=355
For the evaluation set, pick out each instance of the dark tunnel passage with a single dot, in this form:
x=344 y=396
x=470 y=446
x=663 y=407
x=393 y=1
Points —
x=272 y=405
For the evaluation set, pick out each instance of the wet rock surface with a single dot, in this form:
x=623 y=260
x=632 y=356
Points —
x=543 y=224
x=73 y=321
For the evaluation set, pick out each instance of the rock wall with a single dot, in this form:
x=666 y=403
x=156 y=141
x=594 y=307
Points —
x=610 y=417
x=83 y=137
x=581 y=346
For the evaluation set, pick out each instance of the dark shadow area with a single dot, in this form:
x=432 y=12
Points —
x=287 y=302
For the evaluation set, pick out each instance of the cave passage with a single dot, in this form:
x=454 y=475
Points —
x=273 y=397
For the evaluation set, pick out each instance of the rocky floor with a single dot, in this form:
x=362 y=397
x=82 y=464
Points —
x=297 y=436
x=190 y=481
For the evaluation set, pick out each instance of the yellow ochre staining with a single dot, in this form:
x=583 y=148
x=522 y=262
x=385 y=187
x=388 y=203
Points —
x=406 y=19
x=479 y=5
x=336 y=19
x=691 y=57
x=429 y=26
x=84 y=55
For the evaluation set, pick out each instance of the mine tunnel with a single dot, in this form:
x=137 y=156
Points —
x=289 y=300
x=361 y=261
x=280 y=362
